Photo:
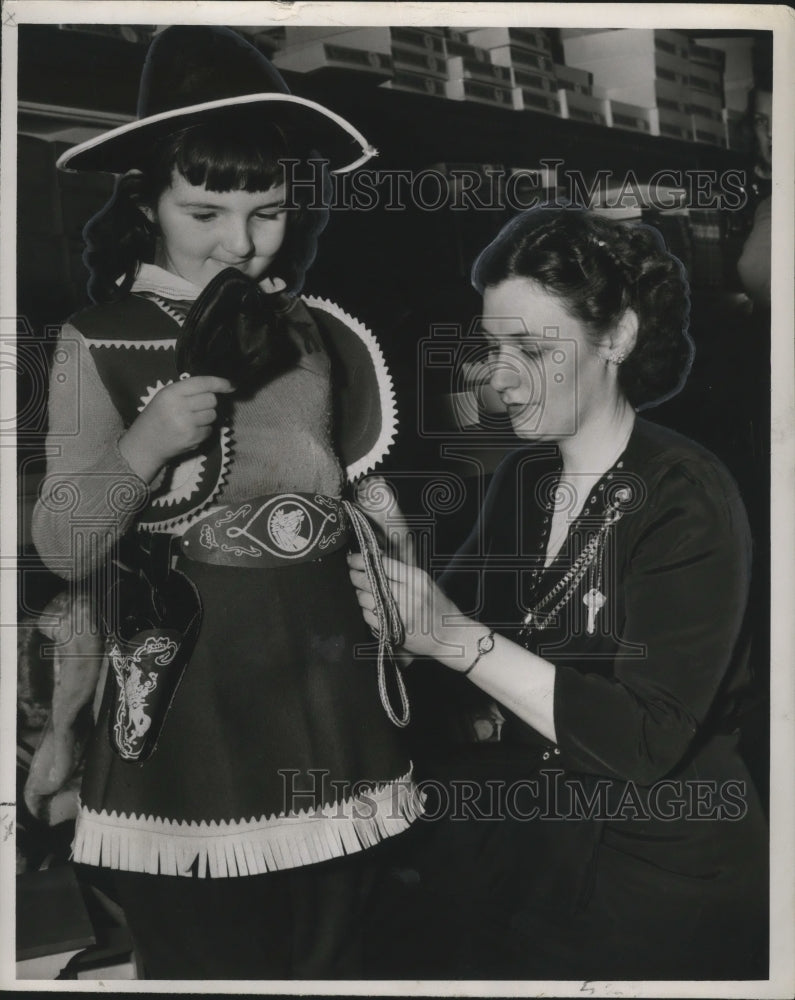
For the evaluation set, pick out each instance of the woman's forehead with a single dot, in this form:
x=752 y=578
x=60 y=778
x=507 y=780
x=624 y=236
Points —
x=521 y=306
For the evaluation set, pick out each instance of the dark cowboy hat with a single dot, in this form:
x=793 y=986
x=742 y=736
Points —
x=195 y=72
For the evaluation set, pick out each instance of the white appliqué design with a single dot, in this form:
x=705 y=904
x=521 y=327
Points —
x=292 y=525
x=183 y=479
x=284 y=526
x=132 y=719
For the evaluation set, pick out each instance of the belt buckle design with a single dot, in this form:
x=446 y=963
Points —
x=287 y=526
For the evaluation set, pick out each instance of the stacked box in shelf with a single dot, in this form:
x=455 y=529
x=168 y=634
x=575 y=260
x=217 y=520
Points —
x=360 y=49
x=583 y=107
x=706 y=95
x=466 y=89
x=419 y=60
x=578 y=81
x=652 y=69
x=627 y=58
x=534 y=39
x=624 y=114
x=575 y=94
x=524 y=54
x=474 y=79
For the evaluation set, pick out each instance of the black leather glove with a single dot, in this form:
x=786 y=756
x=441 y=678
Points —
x=236 y=331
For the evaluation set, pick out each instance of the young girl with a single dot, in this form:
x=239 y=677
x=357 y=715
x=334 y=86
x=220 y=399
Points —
x=243 y=749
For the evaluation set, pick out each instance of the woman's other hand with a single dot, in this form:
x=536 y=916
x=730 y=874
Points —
x=433 y=624
x=178 y=418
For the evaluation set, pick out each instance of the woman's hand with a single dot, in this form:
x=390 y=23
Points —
x=378 y=500
x=433 y=624
x=178 y=418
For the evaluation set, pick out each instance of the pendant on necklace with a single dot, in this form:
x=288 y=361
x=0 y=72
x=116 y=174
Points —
x=593 y=600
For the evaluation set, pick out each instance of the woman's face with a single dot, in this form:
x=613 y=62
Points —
x=763 y=117
x=202 y=232
x=542 y=362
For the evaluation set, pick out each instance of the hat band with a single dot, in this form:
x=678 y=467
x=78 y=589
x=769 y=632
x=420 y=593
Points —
x=368 y=151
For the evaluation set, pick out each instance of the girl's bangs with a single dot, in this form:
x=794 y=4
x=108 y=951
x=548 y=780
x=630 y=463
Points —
x=225 y=156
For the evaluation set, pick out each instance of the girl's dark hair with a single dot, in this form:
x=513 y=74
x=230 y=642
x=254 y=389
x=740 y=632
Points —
x=234 y=151
x=598 y=269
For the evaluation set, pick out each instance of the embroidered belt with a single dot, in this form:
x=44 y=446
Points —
x=269 y=531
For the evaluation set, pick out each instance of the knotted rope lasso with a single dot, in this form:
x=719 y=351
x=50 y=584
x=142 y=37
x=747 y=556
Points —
x=391 y=633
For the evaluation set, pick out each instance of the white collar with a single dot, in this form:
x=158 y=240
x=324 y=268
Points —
x=159 y=281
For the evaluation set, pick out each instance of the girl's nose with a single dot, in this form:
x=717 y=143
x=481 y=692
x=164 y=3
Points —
x=237 y=238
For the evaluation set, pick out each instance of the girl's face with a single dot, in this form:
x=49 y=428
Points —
x=542 y=362
x=202 y=232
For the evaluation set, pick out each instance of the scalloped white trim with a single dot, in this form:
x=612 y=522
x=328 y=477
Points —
x=148 y=345
x=389 y=419
x=246 y=847
x=177 y=525
x=166 y=307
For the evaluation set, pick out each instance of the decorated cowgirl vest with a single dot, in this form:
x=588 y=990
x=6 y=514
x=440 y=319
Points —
x=364 y=406
x=112 y=332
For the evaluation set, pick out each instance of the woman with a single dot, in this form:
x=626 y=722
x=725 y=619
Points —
x=243 y=766
x=604 y=827
x=753 y=266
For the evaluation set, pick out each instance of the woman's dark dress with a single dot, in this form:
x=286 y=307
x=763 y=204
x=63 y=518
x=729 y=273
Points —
x=658 y=869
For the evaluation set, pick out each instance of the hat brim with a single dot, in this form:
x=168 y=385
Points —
x=123 y=148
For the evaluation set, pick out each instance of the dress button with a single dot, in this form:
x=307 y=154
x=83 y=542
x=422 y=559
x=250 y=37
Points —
x=545 y=755
x=557 y=751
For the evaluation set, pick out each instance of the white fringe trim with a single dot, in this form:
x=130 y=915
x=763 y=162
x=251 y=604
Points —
x=227 y=849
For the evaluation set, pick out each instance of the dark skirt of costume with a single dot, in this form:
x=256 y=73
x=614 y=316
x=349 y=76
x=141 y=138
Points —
x=276 y=751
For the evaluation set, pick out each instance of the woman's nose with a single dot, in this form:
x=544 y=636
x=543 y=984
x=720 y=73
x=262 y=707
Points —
x=505 y=373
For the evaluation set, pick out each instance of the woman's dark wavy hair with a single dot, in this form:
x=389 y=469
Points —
x=599 y=268
x=236 y=151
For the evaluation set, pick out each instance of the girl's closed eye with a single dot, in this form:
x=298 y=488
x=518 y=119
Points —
x=203 y=216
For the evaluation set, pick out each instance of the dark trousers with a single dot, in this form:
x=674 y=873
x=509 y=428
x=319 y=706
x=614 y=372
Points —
x=303 y=923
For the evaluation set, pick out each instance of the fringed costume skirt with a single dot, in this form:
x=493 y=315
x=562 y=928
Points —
x=276 y=751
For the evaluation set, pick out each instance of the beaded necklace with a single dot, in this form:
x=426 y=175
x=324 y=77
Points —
x=591 y=558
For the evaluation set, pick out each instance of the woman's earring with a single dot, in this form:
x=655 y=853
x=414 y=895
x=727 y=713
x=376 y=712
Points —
x=614 y=357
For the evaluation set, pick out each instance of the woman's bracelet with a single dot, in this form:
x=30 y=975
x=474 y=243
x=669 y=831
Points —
x=485 y=645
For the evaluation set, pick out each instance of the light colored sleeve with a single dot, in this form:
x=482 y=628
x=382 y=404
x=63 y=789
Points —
x=90 y=496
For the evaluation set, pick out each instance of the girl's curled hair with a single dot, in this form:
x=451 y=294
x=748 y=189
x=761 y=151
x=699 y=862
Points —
x=599 y=268
x=234 y=151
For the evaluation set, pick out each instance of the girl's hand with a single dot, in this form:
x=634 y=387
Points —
x=177 y=419
x=434 y=625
